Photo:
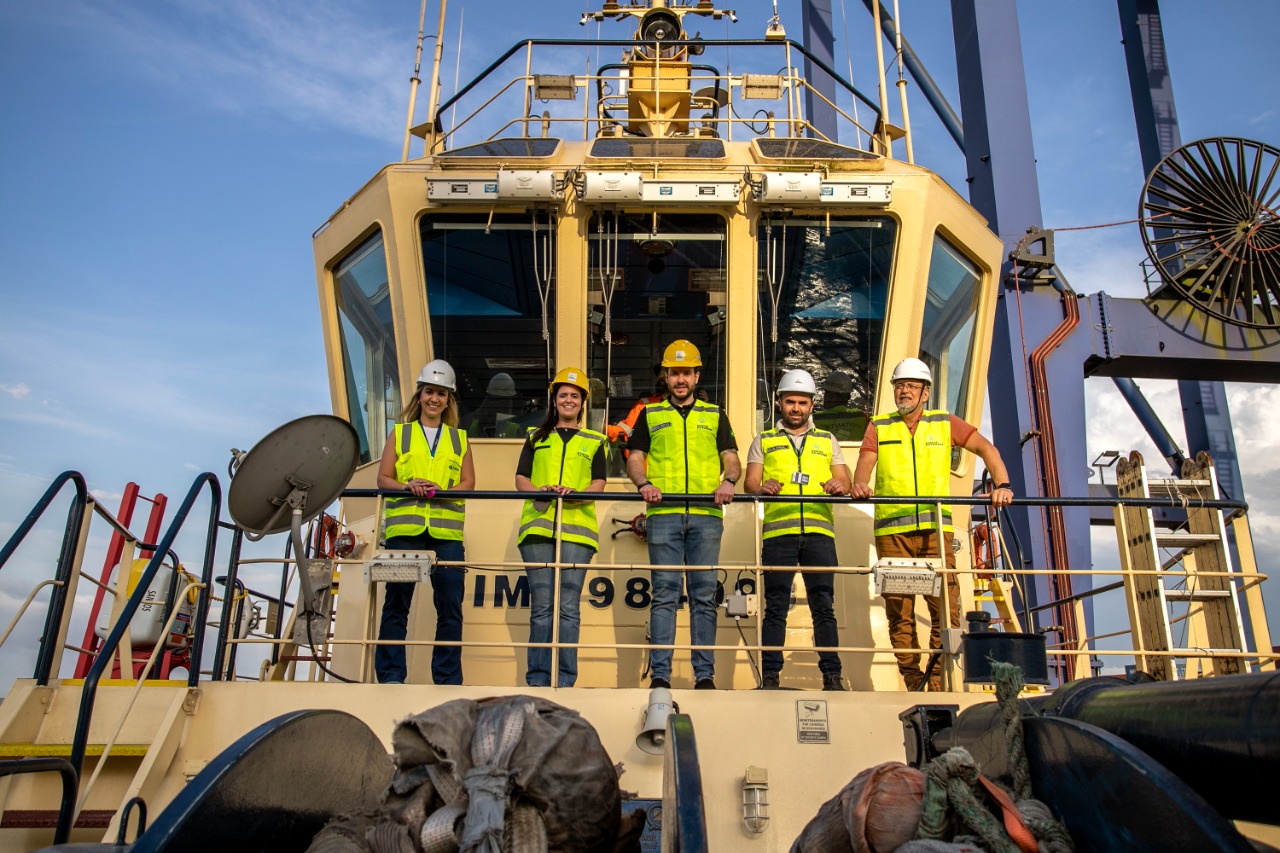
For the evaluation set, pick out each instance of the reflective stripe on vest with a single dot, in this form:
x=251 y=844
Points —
x=410 y=516
x=909 y=465
x=781 y=461
x=556 y=463
x=683 y=457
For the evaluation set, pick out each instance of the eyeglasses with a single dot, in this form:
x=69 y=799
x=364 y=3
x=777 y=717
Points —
x=909 y=386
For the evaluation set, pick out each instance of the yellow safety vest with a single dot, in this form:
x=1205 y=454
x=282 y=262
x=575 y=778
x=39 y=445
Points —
x=410 y=516
x=556 y=463
x=910 y=465
x=683 y=457
x=801 y=472
x=845 y=423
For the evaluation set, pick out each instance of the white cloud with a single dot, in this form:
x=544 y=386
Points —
x=17 y=392
x=319 y=63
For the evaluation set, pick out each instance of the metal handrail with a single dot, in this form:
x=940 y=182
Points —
x=70 y=780
x=66 y=561
x=109 y=645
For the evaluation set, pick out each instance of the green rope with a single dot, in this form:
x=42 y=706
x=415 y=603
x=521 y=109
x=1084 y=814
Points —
x=950 y=783
x=1008 y=680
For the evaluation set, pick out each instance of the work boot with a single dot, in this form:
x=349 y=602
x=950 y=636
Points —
x=832 y=681
x=769 y=681
x=659 y=682
x=705 y=684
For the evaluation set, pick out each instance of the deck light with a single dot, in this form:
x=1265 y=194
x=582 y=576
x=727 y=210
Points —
x=755 y=799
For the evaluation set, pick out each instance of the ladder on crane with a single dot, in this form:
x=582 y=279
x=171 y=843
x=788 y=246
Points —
x=1191 y=581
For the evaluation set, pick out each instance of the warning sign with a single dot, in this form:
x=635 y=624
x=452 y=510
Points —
x=811 y=721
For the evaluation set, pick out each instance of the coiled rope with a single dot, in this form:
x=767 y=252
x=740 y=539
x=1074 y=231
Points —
x=954 y=788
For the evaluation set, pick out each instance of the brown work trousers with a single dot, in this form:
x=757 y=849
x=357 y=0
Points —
x=901 y=609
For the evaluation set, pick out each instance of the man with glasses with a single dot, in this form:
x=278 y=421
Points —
x=913 y=448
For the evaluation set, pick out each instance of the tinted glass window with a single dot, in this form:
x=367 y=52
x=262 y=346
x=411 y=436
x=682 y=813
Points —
x=490 y=294
x=946 y=337
x=368 y=343
x=823 y=292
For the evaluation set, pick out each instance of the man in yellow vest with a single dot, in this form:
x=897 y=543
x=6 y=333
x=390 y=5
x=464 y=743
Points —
x=683 y=446
x=913 y=448
x=796 y=458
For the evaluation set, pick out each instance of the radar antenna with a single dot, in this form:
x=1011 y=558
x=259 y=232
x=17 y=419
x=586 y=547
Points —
x=1210 y=224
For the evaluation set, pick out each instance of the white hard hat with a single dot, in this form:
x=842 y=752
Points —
x=438 y=372
x=797 y=382
x=912 y=368
x=501 y=385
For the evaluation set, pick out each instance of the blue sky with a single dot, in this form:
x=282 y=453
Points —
x=165 y=163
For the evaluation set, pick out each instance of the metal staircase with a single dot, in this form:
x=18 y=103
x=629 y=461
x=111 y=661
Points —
x=1186 y=600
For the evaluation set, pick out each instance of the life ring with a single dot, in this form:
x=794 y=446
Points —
x=986 y=550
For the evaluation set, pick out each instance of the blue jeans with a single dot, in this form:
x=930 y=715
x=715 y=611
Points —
x=799 y=549
x=446 y=591
x=680 y=539
x=537 y=549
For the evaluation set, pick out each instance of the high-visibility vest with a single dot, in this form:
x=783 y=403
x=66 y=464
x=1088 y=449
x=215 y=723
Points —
x=909 y=465
x=557 y=463
x=683 y=457
x=441 y=517
x=845 y=423
x=783 y=461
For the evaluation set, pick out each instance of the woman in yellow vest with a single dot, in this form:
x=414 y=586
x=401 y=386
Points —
x=561 y=457
x=424 y=455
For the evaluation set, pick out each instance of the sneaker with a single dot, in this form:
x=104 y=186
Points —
x=832 y=681
x=769 y=681
x=705 y=684
x=659 y=682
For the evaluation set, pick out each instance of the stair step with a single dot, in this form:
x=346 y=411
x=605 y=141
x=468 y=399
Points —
x=1174 y=487
x=1196 y=594
x=1186 y=540
x=63 y=750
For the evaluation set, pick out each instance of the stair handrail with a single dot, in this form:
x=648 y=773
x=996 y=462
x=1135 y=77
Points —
x=66 y=561
x=88 y=695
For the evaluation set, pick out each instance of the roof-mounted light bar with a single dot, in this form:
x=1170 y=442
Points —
x=506 y=185
x=609 y=187
x=810 y=188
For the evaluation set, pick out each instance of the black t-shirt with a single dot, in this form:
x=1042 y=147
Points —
x=524 y=468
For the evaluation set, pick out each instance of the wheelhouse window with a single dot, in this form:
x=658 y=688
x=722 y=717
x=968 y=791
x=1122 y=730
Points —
x=368 y=341
x=490 y=292
x=946 y=335
x=653 y=279
x=823 y=290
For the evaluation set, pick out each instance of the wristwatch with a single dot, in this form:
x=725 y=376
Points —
x=731 y=481
x=1005 y=486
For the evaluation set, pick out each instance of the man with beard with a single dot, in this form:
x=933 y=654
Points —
x=913 y=447
x=683 y=446
x=796 y=458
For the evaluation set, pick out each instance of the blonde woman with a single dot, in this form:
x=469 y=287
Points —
x=426 y=454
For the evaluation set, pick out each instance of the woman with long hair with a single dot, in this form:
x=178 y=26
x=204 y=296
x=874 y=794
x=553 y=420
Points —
x=560 y=456
x=424 y=455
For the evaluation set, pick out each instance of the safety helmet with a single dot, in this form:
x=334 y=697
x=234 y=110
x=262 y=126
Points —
x=797 y=382
x=681 y=353
x=838 y=382
x=575 y=377
x=501 y=385
x=912 y=368
x=438 y=372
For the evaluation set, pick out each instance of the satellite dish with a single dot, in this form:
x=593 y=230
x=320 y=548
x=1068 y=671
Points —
x=302 y=465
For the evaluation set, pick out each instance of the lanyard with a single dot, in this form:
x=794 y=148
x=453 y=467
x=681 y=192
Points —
x=431 y=445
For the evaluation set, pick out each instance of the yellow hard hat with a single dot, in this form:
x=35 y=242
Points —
x=681 y=353
x=575 y=377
